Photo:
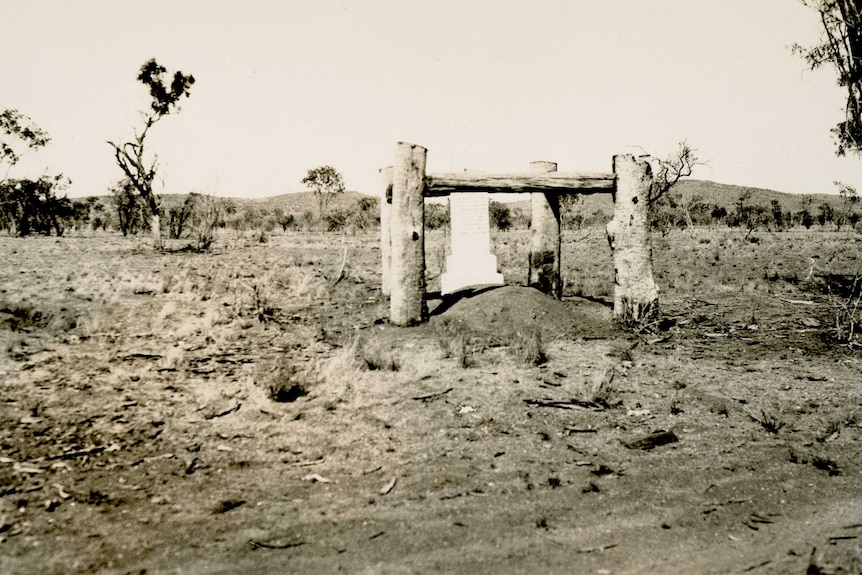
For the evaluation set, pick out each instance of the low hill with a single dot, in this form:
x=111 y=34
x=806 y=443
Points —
x=722 y=195
x=300 y=202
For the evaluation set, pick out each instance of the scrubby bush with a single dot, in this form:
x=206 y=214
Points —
x=436 y=216
x=180 y=215
x=206 y=217
x=500 y=216
x=32 y=206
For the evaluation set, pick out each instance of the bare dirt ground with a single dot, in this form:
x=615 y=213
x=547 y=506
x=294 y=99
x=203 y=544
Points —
x=512 y=433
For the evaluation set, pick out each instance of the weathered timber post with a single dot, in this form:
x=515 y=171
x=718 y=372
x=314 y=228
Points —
x=635 y=290
x=407 y=304
x=385 y=230
x=545 y=246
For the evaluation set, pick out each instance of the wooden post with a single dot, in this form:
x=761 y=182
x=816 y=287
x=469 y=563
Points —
x=545 y=246
x=385 y=230
x=407 y=304
x=635 y=290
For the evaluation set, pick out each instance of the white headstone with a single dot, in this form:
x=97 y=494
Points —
x=471 y=262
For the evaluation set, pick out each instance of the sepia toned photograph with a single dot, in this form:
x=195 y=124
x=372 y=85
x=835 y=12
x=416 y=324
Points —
x=389 y=287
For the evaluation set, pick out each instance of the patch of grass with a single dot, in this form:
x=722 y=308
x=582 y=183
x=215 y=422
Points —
x=528 y=346
x=21 y=317
x=542 y=523
x=602 y=390
x=374 y=356
x=826 y=464
x=265 y=311
x=454 y=338
x=768 y=420
x=591 y=487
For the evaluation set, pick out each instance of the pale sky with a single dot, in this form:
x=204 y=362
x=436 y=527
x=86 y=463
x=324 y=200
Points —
x=490 y=85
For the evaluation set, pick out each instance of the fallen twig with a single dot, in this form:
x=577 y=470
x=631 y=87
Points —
x=77 y=453
x=652 y=440
x=562 y=403
x=307 y=463
x=728 y=502
x=753 y=567
x=843 y=537
x=430 y=396
x=265 y=545
x=594 y=549
x=227 y=505
x=798 y=301
x=389 y=486
x=131 y=356
x=224 y=412
x=315 y=478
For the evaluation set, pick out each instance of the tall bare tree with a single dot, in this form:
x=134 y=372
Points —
x=841 y=46
x=138 y=166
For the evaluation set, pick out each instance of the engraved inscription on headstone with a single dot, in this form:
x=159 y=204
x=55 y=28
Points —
x=471 y=262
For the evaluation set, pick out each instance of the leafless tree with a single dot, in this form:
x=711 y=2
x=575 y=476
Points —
x=669 y=171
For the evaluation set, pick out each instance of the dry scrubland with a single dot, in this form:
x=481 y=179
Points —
x=250 y=409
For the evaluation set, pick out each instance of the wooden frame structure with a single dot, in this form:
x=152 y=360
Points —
x=402 y=225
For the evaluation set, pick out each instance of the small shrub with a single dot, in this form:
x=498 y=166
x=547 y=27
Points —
x=436 y=216
x=262 y=308
x=288 y=223
x=500 y=216
x=374 y=357
x=768 y=420
x=826 y=464
x=207 y=216
x=337 y=220
x=845 y=299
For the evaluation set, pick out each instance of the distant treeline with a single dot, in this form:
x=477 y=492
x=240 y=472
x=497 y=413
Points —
x=32 y=207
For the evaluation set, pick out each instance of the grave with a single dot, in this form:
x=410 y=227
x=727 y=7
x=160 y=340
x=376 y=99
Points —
x=471 y=263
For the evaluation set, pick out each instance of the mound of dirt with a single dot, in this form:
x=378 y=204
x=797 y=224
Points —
x=504 y=311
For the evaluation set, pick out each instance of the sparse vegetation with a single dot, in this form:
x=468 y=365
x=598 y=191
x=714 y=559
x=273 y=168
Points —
x=769 y=420
x=253 y=360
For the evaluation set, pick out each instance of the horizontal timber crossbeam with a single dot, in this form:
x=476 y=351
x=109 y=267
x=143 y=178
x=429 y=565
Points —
x=560 y=182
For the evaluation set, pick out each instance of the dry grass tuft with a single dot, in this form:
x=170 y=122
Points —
x=374 y=355
x=454 y=337
x=602 y=390
x=528 y=346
